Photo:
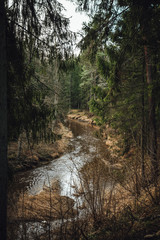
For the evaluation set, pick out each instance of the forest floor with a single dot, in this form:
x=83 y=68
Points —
x=38 y=154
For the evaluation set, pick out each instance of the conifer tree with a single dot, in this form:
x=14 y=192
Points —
x=3 y=123
x=132 y=30
x=33 y=27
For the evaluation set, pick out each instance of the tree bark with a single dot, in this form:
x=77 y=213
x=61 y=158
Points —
x=143 y=136
x=151 y=115
x=3 y=124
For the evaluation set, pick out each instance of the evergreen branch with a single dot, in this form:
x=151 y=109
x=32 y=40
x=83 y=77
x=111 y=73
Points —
x=50 y=89
x=30 y=33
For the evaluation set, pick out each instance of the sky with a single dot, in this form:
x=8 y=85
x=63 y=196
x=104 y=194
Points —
x=76 y=18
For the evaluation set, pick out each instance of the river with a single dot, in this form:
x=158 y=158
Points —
x=84 y=147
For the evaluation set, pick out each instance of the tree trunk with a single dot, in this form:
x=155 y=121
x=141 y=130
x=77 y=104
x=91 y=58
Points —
x=151 y=115
x=19 y=145
x=3 y=124
x=143 y=137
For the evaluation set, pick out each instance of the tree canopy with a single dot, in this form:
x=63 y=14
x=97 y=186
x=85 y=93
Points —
x=34 y=34
x=121 y=44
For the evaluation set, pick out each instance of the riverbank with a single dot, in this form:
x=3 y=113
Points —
x=108 y=192
x=39 y=207
x=37 y=154
x=42 y=153
x=110 y=137
x=82 y=116
x=132 y=206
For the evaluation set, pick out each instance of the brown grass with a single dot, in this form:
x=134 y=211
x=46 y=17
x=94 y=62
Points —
x=47 y=205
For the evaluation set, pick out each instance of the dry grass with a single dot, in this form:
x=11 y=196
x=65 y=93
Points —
x=82 y=116
x=47 y=205
x=38 y=154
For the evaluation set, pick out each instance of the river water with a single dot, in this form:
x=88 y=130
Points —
x=83 y=147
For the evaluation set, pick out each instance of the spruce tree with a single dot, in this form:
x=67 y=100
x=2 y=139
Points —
x=3 y=124
x=37 y=29
x=131 y=29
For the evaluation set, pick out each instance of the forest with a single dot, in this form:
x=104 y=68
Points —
x=115 y=82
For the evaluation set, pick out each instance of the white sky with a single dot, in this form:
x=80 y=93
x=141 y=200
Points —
x=76 y=18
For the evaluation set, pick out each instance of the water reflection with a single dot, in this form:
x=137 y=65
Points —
x=83 y=147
